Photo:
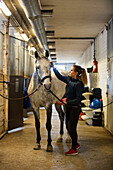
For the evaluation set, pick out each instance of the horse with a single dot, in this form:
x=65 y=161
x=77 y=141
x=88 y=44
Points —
x=44 y=79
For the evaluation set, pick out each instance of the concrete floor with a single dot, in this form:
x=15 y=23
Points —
x=16 y=149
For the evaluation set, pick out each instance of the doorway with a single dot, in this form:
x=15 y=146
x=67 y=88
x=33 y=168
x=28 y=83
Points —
x=15 y=110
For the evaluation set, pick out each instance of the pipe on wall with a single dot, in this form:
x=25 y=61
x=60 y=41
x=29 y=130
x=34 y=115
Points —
x=37 y=38
x=32 y=10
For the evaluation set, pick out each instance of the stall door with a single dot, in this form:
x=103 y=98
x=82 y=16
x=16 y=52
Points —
x=15 y=112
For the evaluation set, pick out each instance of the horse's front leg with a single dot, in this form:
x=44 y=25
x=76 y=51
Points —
x=49 y=127
x=37 y=125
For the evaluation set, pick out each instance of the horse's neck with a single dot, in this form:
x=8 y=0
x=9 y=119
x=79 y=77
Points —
x=35 y=79
x=33 y=83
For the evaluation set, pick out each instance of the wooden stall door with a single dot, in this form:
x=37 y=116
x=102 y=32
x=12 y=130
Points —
x=15 y=112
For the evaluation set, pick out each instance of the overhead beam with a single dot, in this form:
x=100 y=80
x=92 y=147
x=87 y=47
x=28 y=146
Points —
x=50 y=33
x=47 y=13
x=53 y=58
x=72 y=38
x=51 y=43
x=52 y=50
x=53 y=55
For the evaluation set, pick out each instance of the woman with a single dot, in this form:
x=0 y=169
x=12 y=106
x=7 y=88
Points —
x=73 y=95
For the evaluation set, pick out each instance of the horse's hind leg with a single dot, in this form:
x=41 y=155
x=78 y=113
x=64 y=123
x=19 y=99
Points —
x=37 y=125
x=61 y=116
x=48 y=127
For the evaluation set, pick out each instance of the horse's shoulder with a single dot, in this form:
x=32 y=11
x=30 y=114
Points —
x=33 y=83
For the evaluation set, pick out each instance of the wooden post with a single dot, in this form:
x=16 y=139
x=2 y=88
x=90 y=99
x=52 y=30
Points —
x=5 y=70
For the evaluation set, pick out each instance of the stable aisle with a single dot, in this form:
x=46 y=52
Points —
x=16 y=149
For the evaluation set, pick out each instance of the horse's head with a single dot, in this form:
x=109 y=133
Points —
x=43 y=70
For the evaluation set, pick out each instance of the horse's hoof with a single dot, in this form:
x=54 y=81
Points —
x=49 y=148
x=68 y=140
x=59 y=140
x=37 y=147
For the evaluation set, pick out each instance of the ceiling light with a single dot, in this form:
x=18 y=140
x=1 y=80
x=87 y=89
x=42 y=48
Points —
x=4 y=8
x=24 y=36
x=17 y=35
x=33 y=49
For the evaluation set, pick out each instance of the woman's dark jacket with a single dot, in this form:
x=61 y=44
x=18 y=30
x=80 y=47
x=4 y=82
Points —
x=74 y=89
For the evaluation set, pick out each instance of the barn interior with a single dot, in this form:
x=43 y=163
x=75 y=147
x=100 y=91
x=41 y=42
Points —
x=74 y=32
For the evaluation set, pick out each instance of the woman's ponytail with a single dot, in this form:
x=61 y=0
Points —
x=83 y=76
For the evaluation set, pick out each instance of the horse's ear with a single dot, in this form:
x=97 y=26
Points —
x=47 y=53
x=36 y=55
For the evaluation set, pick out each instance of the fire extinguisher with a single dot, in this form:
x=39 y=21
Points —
x=95 y=66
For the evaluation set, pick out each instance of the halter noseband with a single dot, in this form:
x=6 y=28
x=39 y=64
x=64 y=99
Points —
x=42 y=80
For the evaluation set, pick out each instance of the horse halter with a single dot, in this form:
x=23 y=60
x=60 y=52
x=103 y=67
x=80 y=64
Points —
x=42 y=80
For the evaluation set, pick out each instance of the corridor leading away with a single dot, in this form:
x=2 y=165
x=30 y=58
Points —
x=16 y=149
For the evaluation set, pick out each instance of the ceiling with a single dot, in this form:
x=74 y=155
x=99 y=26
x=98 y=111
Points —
x=74 y=19
x=75 y=23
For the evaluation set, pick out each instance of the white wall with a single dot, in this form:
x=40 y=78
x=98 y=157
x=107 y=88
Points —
x=110 y=76
x=99 y=79
x=101 y=49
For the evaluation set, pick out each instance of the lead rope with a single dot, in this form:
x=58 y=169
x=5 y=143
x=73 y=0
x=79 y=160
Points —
x=20 y=98
x=37 y=90
x=70 y=105
x=54 y=95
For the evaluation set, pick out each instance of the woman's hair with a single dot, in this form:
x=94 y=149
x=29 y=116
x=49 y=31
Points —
x=81 y=74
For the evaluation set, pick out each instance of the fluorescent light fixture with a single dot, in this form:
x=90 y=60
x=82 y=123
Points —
x=17 y=35
x=33 y=49
x=4 y=8
x=24 y=36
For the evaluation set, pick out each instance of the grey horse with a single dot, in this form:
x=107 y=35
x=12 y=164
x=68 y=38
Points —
x=44 y=79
